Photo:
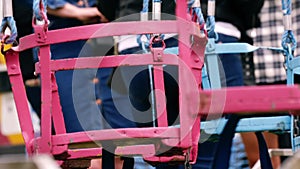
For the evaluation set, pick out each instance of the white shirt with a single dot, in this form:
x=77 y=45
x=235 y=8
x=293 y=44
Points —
x=227 y=29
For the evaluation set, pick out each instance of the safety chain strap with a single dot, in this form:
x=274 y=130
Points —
x=143 y=40
x=289 y=44
x=40 y=9
x=210 y=22
x=296 y=126
x=7 y=40
x=187 y=164
x=197 y=15
x=288 y=38
x=194 y=9
x=8 y=22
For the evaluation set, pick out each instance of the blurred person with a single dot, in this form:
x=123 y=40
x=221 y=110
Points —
x=65 y=14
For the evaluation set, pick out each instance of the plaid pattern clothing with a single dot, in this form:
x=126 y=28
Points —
x=269 y=64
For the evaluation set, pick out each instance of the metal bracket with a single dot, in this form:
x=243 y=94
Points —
x=40 y=33
x=157 y=54
x=212 y=64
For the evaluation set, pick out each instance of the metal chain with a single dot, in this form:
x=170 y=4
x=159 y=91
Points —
x=40 y=10
x=187 y=164
x=8 y=22
x=296 y=126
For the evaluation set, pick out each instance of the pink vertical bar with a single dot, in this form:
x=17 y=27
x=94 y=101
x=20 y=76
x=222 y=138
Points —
x=197 y=62
x=160 y=97
x=57 y=115
x=195 y=140
x=46 y=87
x=20 y=97
x=184 y=54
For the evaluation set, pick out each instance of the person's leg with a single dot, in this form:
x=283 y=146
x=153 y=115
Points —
x=108 y=157
x=272 y=142
x=251 y=146
x=128 y=162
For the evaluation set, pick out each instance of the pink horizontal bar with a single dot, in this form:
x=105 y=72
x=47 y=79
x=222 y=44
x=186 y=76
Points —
x=115 y=134
x=108 y=61
x=175 y=159
x=144 y=150
x=259 y=99
x=106 y=29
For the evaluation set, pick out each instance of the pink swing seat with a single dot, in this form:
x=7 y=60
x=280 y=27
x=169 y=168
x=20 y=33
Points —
x=181 y=142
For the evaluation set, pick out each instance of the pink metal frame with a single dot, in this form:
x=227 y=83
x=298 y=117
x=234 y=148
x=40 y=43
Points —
x=193 y=101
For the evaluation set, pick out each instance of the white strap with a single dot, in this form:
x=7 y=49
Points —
x=7 y=8
x=1 y=10
x=196 y=4
x=144 y=16
x=287 y=22
x=211 y=8
x=156 y=11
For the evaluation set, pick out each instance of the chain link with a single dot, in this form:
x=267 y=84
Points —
x=296 y=126
x=187 y=164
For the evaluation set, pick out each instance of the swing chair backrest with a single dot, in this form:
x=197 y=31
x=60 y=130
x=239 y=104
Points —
x=58 y=144
x=193 y=102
